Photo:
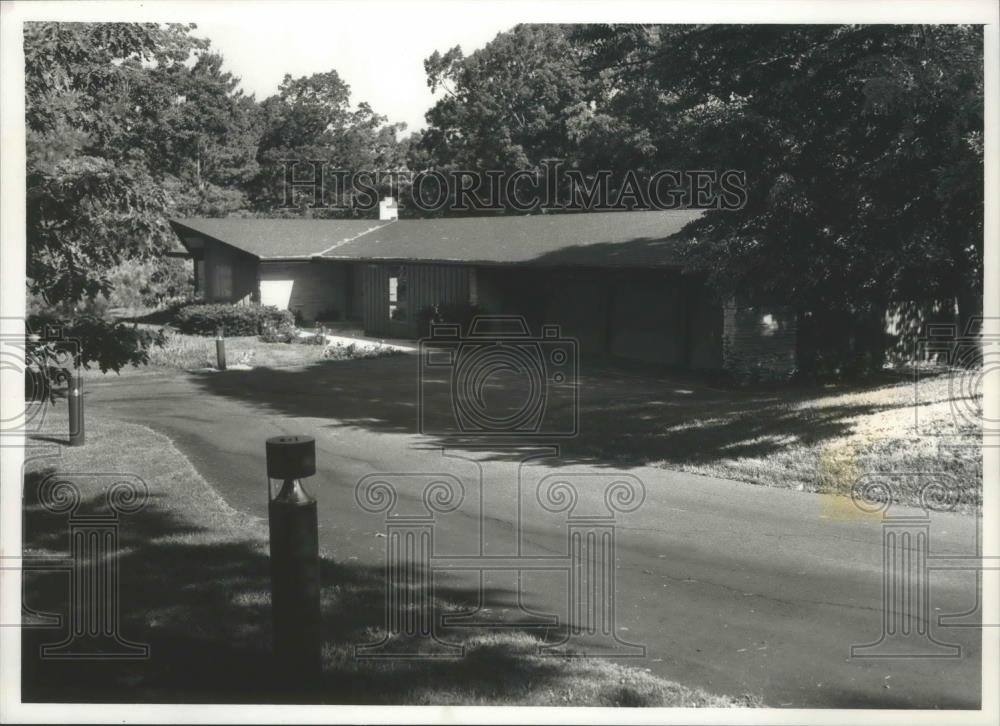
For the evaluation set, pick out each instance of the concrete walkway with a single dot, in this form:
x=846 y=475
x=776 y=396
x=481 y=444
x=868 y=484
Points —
x=361 y=341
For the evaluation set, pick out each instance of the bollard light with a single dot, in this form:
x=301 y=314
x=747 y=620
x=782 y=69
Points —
x=220 y=349
x=294 y=539
x=75 y=405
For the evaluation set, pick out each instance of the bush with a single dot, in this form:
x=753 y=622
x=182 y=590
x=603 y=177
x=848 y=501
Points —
x=351 y=351
x=175 y=303
x=234 y=319
x=148 y=283
x=274 y=334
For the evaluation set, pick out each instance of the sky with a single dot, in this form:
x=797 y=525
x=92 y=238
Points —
x=379 y=55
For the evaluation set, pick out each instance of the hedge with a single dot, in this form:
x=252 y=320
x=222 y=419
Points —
x=234 y=319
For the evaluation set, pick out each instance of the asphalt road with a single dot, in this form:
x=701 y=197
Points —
x=729 y=587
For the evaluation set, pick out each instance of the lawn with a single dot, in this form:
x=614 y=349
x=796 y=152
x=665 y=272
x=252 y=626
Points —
x=182 y=352
x=819 y=439
x=192 y=352
x=883 y=434
x=808 y=439
x=194 y=586
x=812 y=439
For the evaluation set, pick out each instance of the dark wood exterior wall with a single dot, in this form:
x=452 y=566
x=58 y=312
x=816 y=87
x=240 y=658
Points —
x=656 y=316
x=243 y=274
x=659 y=317
x=426 y=285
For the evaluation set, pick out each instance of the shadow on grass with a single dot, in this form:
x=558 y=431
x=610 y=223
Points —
x=625 y=419
x=199 y=600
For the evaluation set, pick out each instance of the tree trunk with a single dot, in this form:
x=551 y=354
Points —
x=876 y=337
x=970 y=306
x=805 y=344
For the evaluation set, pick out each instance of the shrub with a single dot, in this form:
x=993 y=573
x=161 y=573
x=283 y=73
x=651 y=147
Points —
x=148 y=283
x=129 y=284
x=271 y=334
x=282 y=332
x=174 y=304
x=234 y=319
x=351 y=351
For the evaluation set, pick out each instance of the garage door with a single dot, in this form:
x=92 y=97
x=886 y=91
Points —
x=647 y=322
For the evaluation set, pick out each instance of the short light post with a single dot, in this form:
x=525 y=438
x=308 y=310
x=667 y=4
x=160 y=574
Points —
x=74 y=396
x=220 y=349
x=292 y=520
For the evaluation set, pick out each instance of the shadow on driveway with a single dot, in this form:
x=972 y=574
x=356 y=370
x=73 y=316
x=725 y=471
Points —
x=625 y=418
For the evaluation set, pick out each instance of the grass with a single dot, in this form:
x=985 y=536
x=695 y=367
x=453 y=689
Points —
x=194 y=585
x=891 y=429
x=188 y=352
x=183 y=352
x=810 y=439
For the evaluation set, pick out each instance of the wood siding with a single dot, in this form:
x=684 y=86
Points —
x=222 y=262
x=426 y=285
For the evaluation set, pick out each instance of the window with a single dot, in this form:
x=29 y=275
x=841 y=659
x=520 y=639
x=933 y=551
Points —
x=397 y=293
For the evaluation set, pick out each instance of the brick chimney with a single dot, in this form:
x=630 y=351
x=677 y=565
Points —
x=388 y=209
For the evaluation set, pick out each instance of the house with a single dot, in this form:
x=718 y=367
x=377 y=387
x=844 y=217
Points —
x=612 y=280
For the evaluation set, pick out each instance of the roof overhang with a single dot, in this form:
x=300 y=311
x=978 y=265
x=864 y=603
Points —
x=616 y=240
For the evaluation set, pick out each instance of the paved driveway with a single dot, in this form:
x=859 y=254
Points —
x=728 y=586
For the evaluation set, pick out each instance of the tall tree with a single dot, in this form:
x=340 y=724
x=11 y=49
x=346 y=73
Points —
x=525 y=98
x=509 y=105
x=203 y=141
x=862 y=147
x=91 y=199
x=311 y=119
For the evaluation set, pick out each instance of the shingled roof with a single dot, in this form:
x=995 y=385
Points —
x=633 y=239
x=276 y=239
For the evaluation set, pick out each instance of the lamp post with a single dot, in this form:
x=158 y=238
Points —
x=294 y=539
x=220 y=349
x=75 y=403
